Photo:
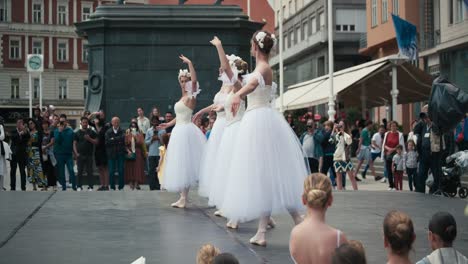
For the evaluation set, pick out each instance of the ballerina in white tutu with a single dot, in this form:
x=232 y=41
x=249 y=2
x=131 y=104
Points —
x=187 y=141
x=268 y=169
x=211 y=151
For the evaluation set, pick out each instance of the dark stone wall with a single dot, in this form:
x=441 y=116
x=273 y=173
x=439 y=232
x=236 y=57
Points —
x=133 y=53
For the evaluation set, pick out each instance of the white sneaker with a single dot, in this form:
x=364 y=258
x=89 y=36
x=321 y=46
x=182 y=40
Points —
x=384 y=180
x=390 y=189
x=90 y=189
x=79 y=189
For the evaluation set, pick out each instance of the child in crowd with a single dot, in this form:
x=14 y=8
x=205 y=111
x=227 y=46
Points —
x=411 y=163
x=162 y=157
x=350 y=253
x=305 y=248
x=206 y=254
x=399 y=237
x=398 y=166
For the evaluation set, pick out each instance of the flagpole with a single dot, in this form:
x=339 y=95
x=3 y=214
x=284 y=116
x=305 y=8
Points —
x=331 y=101
x=281 y=44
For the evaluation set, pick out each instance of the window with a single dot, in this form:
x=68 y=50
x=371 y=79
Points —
x=3 y=11
x=62 y=50
x=86 y=10
x=36 y=86
x=85 y=89
x=314 y=25
x=305 y=30
x=322 y=20
x=37 y=13
x=345 y=27
x=277 y=17
x=338 y=27
x=37 y=47
x=15 y=88
x=298 y=34
x=321 y=66
x=84 y=52
x=451 y=12
x=396 y=7
x=15 y=48
x=62 y=89
x=352 y=28
x=384 y=11
x=374 y=13
x=292 y=41
x=285 y=40
x=284 y=12
x=460 y=11
x=290 y=7
x=62 y=14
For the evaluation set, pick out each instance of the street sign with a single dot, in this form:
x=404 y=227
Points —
x=35 y=63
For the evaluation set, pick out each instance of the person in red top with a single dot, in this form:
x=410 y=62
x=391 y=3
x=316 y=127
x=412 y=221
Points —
x=392 y=139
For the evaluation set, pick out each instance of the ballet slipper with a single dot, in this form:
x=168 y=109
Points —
x=232 y=225
x=271 y=223
x=259 y=239
x=179 y=204
x=218 y=213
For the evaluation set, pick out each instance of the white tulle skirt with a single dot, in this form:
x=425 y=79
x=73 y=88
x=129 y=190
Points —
x=222 y=165
x=209 y=157
x=268 y=168
x=183 y=157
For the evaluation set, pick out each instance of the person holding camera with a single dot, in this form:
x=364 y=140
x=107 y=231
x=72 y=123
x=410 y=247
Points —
x=63 y=152
x=116 y=150
x=153 y=141
x=19 y=142
x=341 y=157
x=311 y=142
x=83 y=146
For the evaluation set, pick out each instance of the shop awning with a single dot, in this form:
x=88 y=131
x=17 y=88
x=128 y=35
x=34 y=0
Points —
x=371 y=80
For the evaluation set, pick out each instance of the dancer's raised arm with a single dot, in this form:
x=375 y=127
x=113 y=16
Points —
x=222 y=57
x=193 y=74
x=242 y=93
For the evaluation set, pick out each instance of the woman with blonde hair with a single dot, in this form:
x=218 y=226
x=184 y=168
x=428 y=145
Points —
x=313 y=241
x=399 y=237
x=207 y=253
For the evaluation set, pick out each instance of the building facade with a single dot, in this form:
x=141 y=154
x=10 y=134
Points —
x=380 y=41
x=260 y=10
x=444 y=40
x=305 y=39
x=43 y=27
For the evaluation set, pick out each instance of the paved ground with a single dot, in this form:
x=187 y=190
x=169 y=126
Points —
x=118 y=227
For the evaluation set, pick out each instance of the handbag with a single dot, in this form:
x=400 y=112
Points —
x=131 y=156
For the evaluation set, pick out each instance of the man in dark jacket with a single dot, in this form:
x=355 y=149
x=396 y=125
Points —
x=19 y=142
x=63 y=152
x=115 y=148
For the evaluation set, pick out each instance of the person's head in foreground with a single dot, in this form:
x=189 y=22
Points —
x=206 y=254
x=399 y=236
x=304 y=248
x=225 y=258
x=349 y=253
x=441 y=235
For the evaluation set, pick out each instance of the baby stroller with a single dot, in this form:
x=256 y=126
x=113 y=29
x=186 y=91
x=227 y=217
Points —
x=450 y=183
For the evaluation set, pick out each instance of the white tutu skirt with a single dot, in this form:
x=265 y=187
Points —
x=183 y=157
x=209 y=157
x=268 y=168
x=222 y=165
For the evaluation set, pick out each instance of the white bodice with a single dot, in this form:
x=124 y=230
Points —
x=227 y=106
x=220 y=99
x=183 y=113
x=263 y=95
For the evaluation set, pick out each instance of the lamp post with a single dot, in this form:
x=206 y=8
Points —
x=331 y=101
x=281 y=44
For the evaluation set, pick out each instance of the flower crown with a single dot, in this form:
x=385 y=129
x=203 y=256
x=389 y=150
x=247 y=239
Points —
x=184 y=73
x=260 y=37
x=232 y=63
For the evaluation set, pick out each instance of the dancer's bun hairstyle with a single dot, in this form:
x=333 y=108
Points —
x=317 y=191
x=399 y=232
x=242 y=67
x=265 y=43
x=444 y=225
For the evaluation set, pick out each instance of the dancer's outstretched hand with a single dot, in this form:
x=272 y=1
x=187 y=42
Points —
x=184 y=59
x=235 y=104
x=215 y=41
x=198 y=115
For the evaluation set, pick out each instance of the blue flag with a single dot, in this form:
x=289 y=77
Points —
x=406 y=37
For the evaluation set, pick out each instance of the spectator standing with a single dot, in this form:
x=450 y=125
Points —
x=143 y=122
x=162 y=157
x=35 y=172
x=442 y=234
x=355 y=134
x=328 y=147
x=136 y=156
x=364 y=150
x=290 y=120
x=115 y=147
x=5 y=154
x=392 y=139
x=399 y=237
x=83 y=146
x=169 y=116
x=398 y=167
x=63 y=152
x=311 y=141
x=100 y=155
x=19 y=142
x=341 y=158
x=48 y=159
x=153 y=140
x=155 y=113
x=411 y=164
x=376 y=150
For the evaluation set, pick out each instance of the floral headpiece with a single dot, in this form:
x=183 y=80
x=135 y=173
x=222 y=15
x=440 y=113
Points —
x=260 y=37
x=232 y=63
x=184 y=73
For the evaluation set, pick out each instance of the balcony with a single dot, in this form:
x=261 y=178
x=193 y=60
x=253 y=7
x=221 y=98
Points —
x=430 y=40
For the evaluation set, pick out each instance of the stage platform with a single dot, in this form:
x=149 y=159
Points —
x=118 y=227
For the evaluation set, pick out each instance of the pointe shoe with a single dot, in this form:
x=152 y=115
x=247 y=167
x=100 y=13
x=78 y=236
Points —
x=179 y=204
x=232 y=225
x=259 y=240
x=218 y=213
x=271 y=223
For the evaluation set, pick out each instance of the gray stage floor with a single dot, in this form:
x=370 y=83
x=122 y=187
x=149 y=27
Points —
x=119 y=227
